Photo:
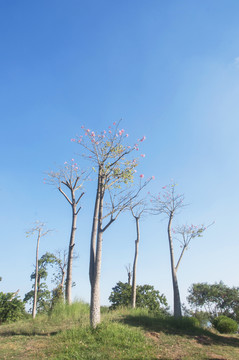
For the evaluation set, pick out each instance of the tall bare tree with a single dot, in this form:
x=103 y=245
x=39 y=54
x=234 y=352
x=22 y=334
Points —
x=70 y=178
x=138 y=208
x=169 y=203
x=114 y=171
x=38 y=228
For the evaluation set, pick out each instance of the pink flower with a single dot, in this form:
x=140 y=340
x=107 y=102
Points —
x=141 y=176
x=88 y=130
x=104 y=132
x=110 y=131
x=143 y=138
x=142 y=155
x=82 y=126
x=128 y=147
x=120 y=132
x=65 y=162
x=127 y=135
x=72 y=160
x=164 y=187
x=114 y=123
x=135 y=171
x=153 y=177
x=73 y=139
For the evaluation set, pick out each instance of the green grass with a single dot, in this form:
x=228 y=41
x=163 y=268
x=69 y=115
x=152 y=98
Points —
x=123 y=334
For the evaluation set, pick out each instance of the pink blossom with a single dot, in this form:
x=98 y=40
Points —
x=153 y=177
x=82 y=126
x=72 y=160
x=88 y=130
x=110 y=131
x=143 y=138
x=114 y=123
x=79 y=141
x=104 y=132
x=141 y=176
x=92 y=133
x=127 y=135
x=65 y=162
x=73 y=139
x=164 y=187
x=120 y=132
x=142 y=155
x=135 y=171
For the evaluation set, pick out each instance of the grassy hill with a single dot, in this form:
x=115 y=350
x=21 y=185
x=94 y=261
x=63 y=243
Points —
x=123 y=334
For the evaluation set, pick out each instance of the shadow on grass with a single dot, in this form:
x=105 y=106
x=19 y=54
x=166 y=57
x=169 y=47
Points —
x=9 y=333
x=169 y=326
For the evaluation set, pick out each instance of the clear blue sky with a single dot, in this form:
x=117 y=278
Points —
x=170 y=71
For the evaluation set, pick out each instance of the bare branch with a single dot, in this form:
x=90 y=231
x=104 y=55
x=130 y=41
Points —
x=65 y=195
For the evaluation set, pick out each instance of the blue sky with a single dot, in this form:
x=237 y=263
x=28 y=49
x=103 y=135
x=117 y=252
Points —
x=170 y=71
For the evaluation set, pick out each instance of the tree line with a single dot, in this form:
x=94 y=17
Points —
x=113 y=164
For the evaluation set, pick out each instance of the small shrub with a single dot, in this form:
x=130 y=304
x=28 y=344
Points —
x=225 y=325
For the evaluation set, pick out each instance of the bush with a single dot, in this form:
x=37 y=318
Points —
x=225 y=325
x=185 y=322
x=11 y=308
x=146 y=297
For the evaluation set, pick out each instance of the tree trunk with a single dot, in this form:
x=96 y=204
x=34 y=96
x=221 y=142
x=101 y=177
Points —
x=133 y=295
x=95 y=287
x=176 y=295
x=180 y=258
x=34 y=307
x=70 y=252
x=94 y=235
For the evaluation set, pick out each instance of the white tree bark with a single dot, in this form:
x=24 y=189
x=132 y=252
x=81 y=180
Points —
x=176 y=294
x=34 y=307
x=133 y=296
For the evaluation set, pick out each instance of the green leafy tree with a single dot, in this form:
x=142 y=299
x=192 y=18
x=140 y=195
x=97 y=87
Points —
x=11 y=307
x=146 y=297
x=216 y=299
x=43 y=295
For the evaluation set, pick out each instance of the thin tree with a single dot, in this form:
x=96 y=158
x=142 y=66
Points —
x=71 y=178
x=137 y=210
x=114 y=170
x=169 y=203
x=129 y=273
x=185 y=234
x=39 y=230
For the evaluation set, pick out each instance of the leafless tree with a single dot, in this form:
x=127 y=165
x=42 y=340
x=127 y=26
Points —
x=38 y=228
x=137 y=208
x=129 y=273
x=70 y=178
x=169 y=203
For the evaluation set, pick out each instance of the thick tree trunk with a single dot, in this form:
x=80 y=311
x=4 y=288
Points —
x=70 y=253
x=176 y=295
x=133 y=295
x=95 y=287
x=34 y=307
